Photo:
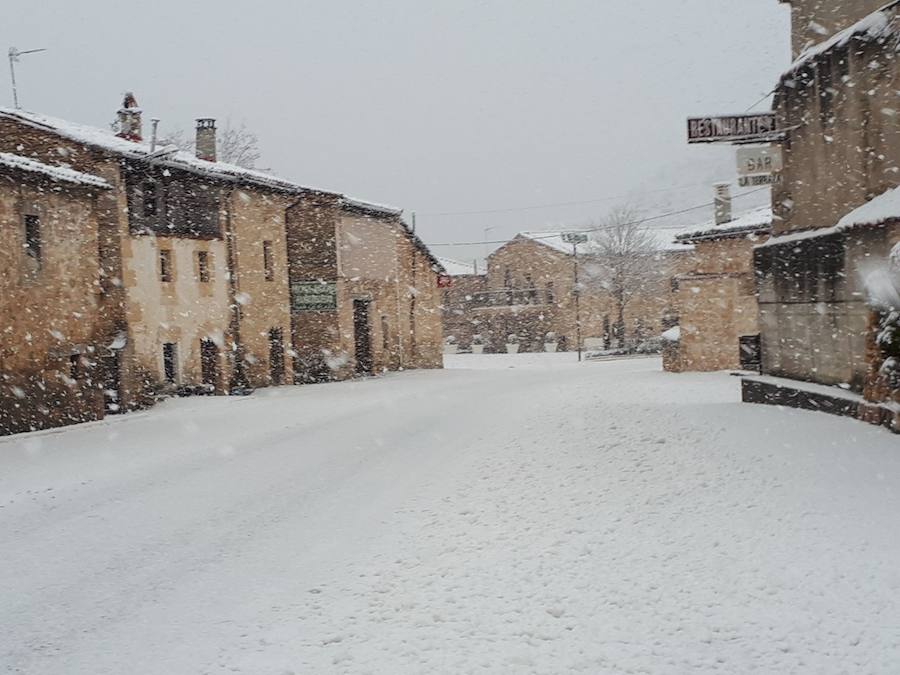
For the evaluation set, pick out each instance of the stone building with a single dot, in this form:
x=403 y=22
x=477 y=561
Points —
x=364 y=291
x=528 y=291
x=52 y=334
x=837 y=105
x=194 y=266
x=458 y=298
x=715 y=302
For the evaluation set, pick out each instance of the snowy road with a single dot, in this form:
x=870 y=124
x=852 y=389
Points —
x=525 y=515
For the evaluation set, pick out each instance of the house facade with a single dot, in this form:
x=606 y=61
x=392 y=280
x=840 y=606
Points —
x=715 y=301
x=54 y=336
x=841 y=151
x=364 y=291
x=194 y=285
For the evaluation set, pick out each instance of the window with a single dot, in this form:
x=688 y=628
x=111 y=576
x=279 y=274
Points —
x=74 y=366
x=150 y=193
x=165 y=265
x=203 y=266
x=268 y=263
x=33 y=240
x=551 y=295
x=170 y=361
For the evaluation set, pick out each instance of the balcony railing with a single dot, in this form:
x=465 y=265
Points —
x=512 y=297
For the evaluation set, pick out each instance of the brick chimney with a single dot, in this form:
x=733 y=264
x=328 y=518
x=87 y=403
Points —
x=206 y=139
x=130 y=125
x=723 y=203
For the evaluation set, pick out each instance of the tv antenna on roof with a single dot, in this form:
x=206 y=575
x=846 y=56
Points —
x=14 y=55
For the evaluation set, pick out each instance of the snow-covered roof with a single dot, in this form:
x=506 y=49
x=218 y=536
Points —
x=750 y=222
x=371 y=207
x=876 y=211
x=106 y=140
x=552 y=239
x=663 y=241
x=56 y=173
x=455 y=268
x=874 y=26
x=885 y=206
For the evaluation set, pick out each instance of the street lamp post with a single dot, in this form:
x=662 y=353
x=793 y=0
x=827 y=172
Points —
x=576 y=238
x=14 y=55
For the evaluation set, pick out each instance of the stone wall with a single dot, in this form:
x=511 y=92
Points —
x=51 y=336
x=716 y=305
x=845 y=148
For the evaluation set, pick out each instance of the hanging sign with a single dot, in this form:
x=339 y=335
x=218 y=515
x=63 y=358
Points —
x=725 y=128
x=757 y=160
x=762 y=179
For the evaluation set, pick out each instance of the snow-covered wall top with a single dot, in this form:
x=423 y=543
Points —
x=54 y=172
x=756 y=221
x=874 y=26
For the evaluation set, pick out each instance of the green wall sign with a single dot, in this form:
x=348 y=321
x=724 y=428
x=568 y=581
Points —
x=311 y=296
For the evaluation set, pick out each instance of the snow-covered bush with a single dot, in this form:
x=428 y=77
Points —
x=512 y=339
x=550 y=337
x=477 y=339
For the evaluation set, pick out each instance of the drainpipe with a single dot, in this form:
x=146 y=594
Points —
x=238 y=376
x=399 y=310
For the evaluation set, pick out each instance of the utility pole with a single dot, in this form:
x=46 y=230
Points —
x=576 y=238
x=14 y=55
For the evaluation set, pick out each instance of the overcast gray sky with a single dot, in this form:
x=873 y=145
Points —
x=436 y=106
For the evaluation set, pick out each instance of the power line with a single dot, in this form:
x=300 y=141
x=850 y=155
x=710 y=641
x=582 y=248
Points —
x=550 y=206
x=640 y=221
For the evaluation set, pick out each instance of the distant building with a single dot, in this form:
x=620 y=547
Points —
x=715 y=301
x=838 y=106
x=528 y=292
x=53 y=337
x=466 y=288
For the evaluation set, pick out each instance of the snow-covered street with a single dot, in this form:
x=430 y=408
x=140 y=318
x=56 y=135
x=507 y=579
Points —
x=511 y=514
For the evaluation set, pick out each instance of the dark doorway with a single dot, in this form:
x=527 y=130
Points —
x=751 y=352
x=110 y=374
x=362 y=336
x=209 y=365
x=276 y=356
x=170 y=362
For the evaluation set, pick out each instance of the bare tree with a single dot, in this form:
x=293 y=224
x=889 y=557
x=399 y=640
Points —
x=238 y=145
x=625 y=261
x=234 y=144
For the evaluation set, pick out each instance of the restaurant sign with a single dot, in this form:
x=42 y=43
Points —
x=731 y=128
x=312 y=296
